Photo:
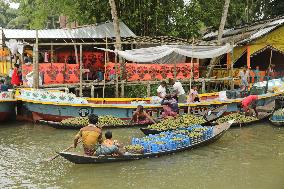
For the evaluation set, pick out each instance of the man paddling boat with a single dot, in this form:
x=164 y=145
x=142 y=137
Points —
x=91 y=135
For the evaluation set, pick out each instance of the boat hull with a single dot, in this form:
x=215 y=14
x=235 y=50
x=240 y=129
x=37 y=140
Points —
x=49 y=111
x=218 y=131
x=277 y=123
x=7 y=110
x=58 y=125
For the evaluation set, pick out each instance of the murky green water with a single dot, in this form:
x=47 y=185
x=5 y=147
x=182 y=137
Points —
x=244 y=158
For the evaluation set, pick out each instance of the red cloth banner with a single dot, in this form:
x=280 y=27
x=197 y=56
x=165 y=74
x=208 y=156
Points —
x=55 y=73
x=146 y=72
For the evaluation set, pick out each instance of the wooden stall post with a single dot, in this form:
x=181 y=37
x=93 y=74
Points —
x=81 y=71
x=92 y=91
x=35 y=64
x=248 y=56
x=104 y=86
x=116 y=77
x=175 y=70
x=232 y=70
x=51 y=54
x=203 y=89
x=122 y=89
x=148 y=89
x=191 y=64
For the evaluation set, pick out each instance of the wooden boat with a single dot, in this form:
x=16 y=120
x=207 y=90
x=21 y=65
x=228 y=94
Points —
x=218 y=132
x=7 y=106
x=276 y=123
x=264 y=112
x=212 y=116
x=58 y=125
x=57 y=111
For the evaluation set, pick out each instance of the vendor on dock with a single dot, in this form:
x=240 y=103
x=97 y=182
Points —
x=177 y=91
x=244 y=76
x=249 y=103
x=193 y=95
x=162 y=90
x=170 y=107
x=91 y=135
x=140 y=116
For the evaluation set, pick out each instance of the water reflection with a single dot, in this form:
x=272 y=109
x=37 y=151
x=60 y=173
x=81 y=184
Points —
x=244 y=158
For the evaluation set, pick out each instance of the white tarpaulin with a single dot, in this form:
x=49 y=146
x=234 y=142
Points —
x=153 y=54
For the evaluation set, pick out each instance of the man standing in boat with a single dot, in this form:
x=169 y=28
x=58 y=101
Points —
x=91 y=135
x=249 y=103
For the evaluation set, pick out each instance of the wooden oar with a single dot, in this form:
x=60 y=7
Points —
x=54 y=157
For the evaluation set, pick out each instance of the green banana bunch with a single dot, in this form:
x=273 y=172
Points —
x=240 y=118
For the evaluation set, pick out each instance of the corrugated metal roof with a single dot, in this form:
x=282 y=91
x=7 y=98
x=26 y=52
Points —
x=247 y=33
x=86 y=32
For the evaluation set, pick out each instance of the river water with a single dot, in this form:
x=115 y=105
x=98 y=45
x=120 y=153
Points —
x=250 y=157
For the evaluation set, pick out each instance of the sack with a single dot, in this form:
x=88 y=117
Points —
x=222 y=95
x=257 y=90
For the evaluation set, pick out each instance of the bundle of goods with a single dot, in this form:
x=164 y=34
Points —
x=51 y=96
x=83 y=121
x=278 y=115
x=257 y=90
x=109 y=120
x=171 y=140
x=134 y=149
x=179 y=122
x=240 y=118
x=75 y=122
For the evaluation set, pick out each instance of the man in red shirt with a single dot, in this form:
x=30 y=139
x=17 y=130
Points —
x=249 y=103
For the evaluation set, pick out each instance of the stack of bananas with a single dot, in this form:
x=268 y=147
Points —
x=179 y=122
x=83 y=121
x=134 y=149
x=240 y=118
x=75 y=122
x=109 y=120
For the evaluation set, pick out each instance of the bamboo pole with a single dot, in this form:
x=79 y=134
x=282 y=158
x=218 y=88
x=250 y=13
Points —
x=267 y=80
x=116 y=76
x=191 y=64
x=105 y=72
x=232 y=69
x=35 y=64
x=81 y=71
x=51 y=54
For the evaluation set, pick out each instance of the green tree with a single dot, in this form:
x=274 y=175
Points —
x=6 y=13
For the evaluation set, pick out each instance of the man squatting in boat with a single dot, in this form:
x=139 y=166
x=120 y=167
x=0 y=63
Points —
x=248 y=104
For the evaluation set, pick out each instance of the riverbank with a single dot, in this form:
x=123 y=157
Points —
x=244 y=158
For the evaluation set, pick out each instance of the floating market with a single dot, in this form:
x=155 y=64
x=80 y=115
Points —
x=114 y=92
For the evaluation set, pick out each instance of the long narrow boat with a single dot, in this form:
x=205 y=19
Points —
x=212 y=116
x=58 y=125
x=218 y=132
x=278 y=123
x=38 y=109
x=264 y=113
x=7 y=106
x=277 y=118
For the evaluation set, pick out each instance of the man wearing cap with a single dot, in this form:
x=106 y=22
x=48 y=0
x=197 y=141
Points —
x=91 y=135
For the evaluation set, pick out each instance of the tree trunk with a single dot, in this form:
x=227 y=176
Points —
x=220 y=34
x=35 y=64
x=117 y=36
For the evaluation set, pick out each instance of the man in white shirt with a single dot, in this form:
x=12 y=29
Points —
x=178 y=91
x=162 y=90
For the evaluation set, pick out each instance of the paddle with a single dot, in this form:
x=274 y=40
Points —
x=54 y=157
